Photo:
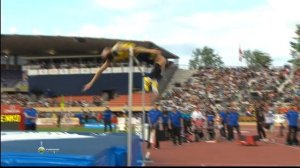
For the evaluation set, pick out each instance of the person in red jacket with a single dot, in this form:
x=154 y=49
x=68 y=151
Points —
x=100 y=117
x=114 y=119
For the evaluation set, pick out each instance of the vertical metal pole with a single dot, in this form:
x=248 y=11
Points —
x=129 y=128
x=142 y=70
x=143 y=104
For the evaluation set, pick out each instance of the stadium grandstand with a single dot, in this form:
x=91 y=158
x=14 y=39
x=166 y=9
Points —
x=53 y=66
x=45 y=69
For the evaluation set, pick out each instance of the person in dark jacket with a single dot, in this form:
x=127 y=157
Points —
x=165 y=122
x=107 y=116
x=260 y=120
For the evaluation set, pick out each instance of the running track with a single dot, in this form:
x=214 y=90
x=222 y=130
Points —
x=227 y=153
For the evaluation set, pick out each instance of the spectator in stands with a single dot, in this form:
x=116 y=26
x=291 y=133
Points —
x=42 y=114
x=80 y=117
x=249 y=111
x=107 y=117
x=86 y=117
x=100 y=117
x=30 y=117
x=59 y=116
x=120 y=52
x=125 y=110
x=114 y=119
x=292 y=117
x=175 y=124
x=154 y=121
x=97 y=100
x=93 y=116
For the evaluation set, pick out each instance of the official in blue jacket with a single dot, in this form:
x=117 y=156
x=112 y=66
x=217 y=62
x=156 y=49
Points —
x=223 y=119
x=176 y=124
x=30 y=117
x=155 y=123
x=292 y=117
x=107 y=115
x=233 y=122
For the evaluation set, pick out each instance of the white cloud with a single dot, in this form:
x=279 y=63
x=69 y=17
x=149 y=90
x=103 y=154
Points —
x=12 y=30
x=36 y=31
x=268 y=28
x=261 y=28
x=57 y=32
x=121 y=27
x=287 y=10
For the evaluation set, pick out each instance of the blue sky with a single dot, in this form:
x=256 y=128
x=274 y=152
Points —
x=180 y=26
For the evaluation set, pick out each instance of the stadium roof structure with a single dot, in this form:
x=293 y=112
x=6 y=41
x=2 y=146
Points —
x=39 y=45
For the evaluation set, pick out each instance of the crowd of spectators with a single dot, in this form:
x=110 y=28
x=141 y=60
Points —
x=44 y=101
x=18 y=98
x=213 y=88
x=210 y=87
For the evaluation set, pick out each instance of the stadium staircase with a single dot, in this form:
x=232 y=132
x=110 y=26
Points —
x=180 y=76
x=167 y=77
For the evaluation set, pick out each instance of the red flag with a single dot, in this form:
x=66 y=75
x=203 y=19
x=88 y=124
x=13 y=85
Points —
x=240 y=54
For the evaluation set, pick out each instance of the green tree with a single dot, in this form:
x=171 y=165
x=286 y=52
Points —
x=257 y=59
x=205 y=57
x=295 y=51
x=194 y=62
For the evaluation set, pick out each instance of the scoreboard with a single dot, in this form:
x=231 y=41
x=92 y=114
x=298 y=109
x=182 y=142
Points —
x=12 y=117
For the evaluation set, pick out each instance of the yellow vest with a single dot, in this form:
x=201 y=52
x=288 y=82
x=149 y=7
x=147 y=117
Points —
x=121 y=50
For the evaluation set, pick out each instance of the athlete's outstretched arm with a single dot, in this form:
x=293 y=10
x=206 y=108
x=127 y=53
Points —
x=96 y=76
